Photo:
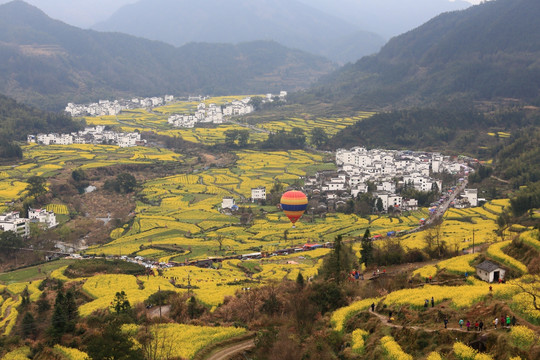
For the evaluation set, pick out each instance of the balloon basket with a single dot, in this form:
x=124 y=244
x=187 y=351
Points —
x=294 y=226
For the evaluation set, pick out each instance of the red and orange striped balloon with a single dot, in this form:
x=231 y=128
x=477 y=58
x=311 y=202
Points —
x=293 y=204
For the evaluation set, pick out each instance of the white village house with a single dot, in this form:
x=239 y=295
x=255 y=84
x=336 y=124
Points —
x=12 y=221
x=490 y=271
x=43 y=216
x=90 y=135
x=258 y=193
x=228 y=203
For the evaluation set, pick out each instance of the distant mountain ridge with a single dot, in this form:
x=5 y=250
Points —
x=489 y=51
x=289 y=22
x=387 y=17
x=48 y=63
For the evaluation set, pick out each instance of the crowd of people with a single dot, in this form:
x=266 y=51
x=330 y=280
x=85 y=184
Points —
x=478 y=325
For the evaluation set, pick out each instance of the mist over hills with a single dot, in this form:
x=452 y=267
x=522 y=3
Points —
x=289 y=22
x=486 y=52
x=48 y=63
x=387 y=17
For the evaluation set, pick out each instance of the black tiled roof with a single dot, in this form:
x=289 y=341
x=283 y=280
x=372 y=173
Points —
x=488 y=266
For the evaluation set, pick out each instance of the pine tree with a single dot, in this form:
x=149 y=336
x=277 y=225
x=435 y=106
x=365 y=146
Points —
x=366 y=252
x=28 y=325
x=59 y=318
x=121 y=303
x=300 y=281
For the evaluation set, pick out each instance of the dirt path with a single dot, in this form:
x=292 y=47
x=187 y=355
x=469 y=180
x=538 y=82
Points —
x=386 y=322
x=154 y=311
x=234 y=349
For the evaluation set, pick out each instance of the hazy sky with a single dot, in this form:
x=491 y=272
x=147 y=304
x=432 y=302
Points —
x=85 y=13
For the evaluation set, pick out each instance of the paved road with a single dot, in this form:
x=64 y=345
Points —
x=234 y=349
x=444 y=206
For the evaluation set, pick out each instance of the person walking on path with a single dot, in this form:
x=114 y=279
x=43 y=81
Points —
x=513 y=320
x=508 y=320
x=476 y=325
x=502 y=321
x=468 y=325
x=480 y=325
x=426 y=302
x=372 y=307
x=495 y=322
x=432 y=302
x=460 y=322
x=445 y=323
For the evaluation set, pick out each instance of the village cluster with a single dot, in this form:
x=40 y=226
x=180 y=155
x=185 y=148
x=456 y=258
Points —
x=90 y=135
x=12 y=221
x=216 y=114
x=388 y=170
x=107 y=107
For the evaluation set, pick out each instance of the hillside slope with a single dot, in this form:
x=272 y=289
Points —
x=288 y=22
x=486 y=52
x=18 y=120
x=48 y=63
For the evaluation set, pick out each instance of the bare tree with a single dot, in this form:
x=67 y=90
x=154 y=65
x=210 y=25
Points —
x=220 y=240
x=530 y=286
x=157 y=343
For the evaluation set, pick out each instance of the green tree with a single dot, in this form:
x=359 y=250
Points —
x=300 y=280
x=78 y=175
x=379 y=205
x=366 y=252
x=126 y=183
x=194 y=309
x=64 y=315
x=275 y=192
x=120 y=303
x=28 y=325
x=230 y=137
x=243 y=138
x=256 y=102
x=319 y=138
x=340 y=261
x=36 y=186
x=113 y=344
x=328 y=296
x=25 y=297
x=59 y=318
x=10 y=241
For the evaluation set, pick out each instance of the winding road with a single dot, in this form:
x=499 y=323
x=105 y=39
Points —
x=226 y=353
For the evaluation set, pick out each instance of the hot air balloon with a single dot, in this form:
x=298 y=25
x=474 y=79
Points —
x=293 y=204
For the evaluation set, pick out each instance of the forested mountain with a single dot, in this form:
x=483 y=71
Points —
x=48 y=63
x=18 y=120
x=289 y=22
x=486 y=52
x=455 y=127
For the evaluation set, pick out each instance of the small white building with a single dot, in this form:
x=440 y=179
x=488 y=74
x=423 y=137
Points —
x=389 y=199
x=43 y=216
x=490 y=271
x=410 y=204
x=472 y=196
x=258 y=193
x=13 y=222
x=228 y=203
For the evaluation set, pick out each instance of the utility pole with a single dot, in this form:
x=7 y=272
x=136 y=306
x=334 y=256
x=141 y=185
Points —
x=473 y=230
x=159 y=299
